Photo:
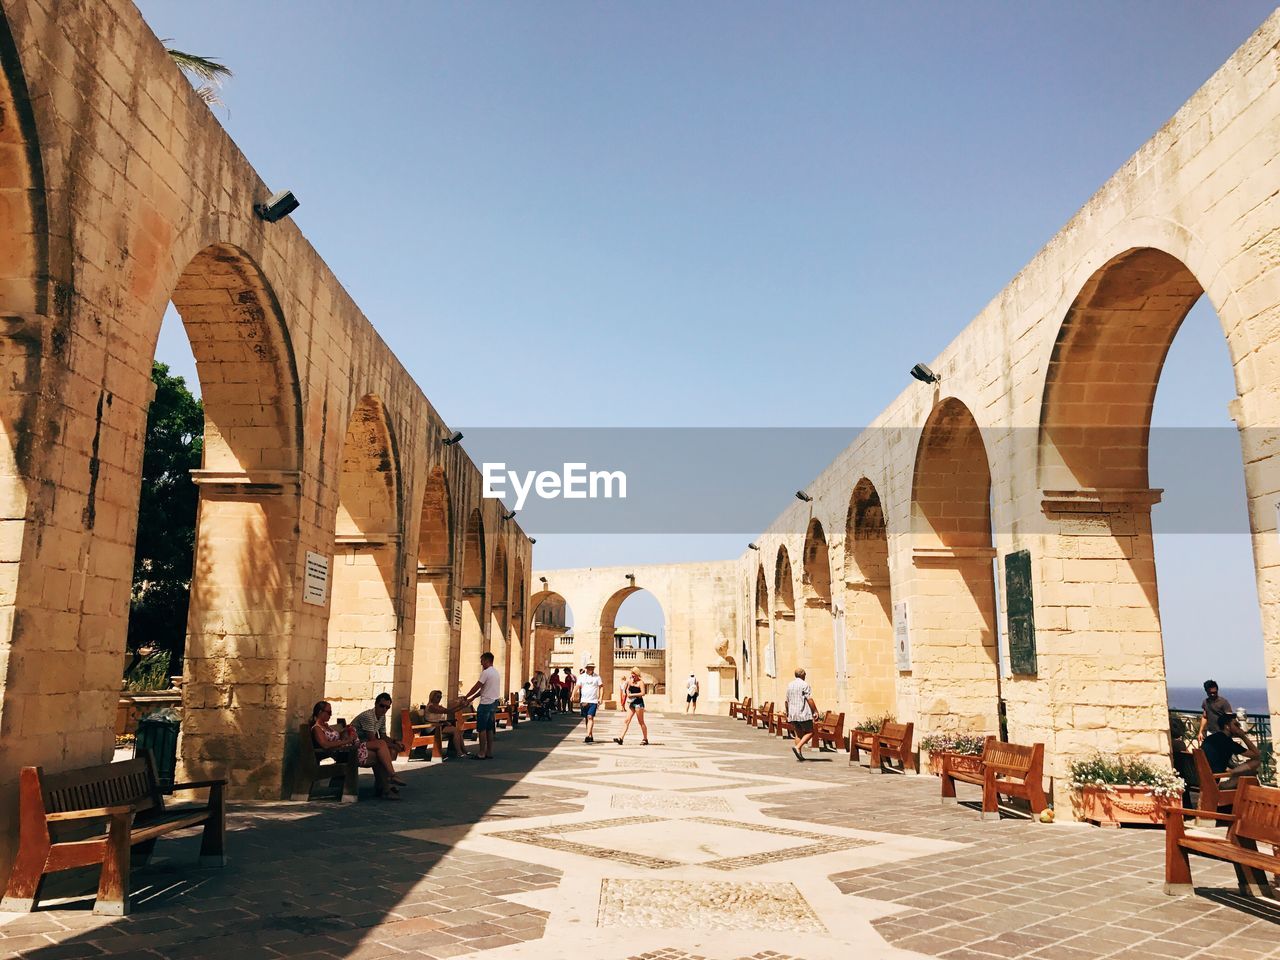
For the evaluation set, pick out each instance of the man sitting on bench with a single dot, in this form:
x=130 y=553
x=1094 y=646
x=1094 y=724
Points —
x=371 y=727
x=1229 y=749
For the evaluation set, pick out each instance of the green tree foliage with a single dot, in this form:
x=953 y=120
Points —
x=206 y=73
x=166 y=518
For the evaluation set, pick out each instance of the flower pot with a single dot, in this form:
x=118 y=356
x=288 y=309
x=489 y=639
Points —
x=959 y=761
x=1121 y=804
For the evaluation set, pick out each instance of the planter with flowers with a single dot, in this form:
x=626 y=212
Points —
x=965 y=750
x=1113 y=790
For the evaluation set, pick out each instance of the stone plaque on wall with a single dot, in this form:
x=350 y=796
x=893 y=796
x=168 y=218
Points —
x=1020 y=605
x=315 y=583
x=901 y=636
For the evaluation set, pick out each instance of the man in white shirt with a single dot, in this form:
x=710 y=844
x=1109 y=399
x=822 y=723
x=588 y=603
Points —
x=589 y=686
x=800 y=712
x=489 y=689
x=691 y=695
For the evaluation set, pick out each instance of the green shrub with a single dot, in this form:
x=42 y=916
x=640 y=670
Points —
x=150 y=673
x=874 y=724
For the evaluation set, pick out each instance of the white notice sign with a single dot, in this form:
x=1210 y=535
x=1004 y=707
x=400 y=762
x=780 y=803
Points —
x=315 y=586
x=901 y=636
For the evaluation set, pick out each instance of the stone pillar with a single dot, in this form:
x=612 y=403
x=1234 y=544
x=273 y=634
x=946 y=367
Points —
x=365 y=656
x=431 y=634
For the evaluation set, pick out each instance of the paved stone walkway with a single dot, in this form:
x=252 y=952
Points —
x=713 y=842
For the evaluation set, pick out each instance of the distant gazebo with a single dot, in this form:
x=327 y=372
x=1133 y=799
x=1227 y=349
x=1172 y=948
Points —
x=634 y=638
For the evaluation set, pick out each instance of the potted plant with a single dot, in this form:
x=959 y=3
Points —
x=965 y=748
x=1113 y=790
x=873 y=724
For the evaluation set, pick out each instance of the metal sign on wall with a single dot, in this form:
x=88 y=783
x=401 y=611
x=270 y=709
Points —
x=315 y=582
x=901 y=636
x=1021 y=608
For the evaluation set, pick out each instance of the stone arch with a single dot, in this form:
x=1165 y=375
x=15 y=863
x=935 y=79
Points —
x=952 y=613
x=516 y=631
x=1099 y=567
x=786 y=654
x=868 y=604
x=612 y=661
x=819 y=651
x=550 y=616
x=499 y=616
x=24 y=227
x=364 y=652
x=240 y=614
x=762 y=681
x=431 y=641
x=471 y=638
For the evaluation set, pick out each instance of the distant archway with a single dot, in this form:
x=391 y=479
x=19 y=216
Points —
x=786 y=655
x=516 y=655
x=952 y=620
x=551 y=640
x=471 y=640
x=431 y=639
x=498 y=613
x=617 y=659
x=364 y=653
x=825 y=671
x=868 y=604
x=764 y=669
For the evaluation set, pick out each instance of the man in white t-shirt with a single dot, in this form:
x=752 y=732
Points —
x=589 y=686
x=489 y=689
x=691 y=695
x=800 y=711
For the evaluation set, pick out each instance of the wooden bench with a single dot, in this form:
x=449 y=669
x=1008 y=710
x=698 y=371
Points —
x=738 y=708
x=415 y=735
x=1008 y=769
x=316 y=764
x=778 y=723
x=752 y=715
x=829 y=731
x=97 y=815
x=764 y=717
x=1256 y=819
x=1213 y=798
x=892 y=742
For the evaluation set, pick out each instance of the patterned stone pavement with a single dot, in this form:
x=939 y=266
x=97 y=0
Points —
x=713 y=843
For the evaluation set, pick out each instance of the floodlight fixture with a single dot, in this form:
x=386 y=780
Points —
x=278 y=206
x=456 y=438
x=543 y=579
x=801 y=495
x=532 y=541
x=508 y=516
x=924 y=374
x=753 y=546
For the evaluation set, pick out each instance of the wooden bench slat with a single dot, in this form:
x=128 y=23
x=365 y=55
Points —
x=1005 y=769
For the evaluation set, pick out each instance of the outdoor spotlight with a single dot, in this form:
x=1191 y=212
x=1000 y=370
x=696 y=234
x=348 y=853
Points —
x=631 y=577
x=278 y=206
x=543 y=579
x=924 y=374
x=532 y=541
x=801 y=495
x=508 y=516
x=753 y=546
x=456 y=438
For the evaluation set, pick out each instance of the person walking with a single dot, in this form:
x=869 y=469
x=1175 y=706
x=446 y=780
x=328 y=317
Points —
x=1212 y=710
x=590 y=685
x=800 y=712
x=555 y=687
x=489 y=690
x=632 y=690
x=566 y=689
x=691 y=695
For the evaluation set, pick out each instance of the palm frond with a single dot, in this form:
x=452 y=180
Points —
x=203 y=68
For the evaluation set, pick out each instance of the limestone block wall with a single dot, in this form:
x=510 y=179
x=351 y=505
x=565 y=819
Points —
x=120 y=193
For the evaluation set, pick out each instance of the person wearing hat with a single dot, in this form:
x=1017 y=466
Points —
x=691 y=695
x=588 y=689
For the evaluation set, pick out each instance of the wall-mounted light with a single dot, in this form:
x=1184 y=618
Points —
x=508 y=516
x=456 y=438
x=924 y=374
x=753 y=546
x=632 y=578
x=543 y=579
x=532 y=541
x=278 y=206
x=801 y=495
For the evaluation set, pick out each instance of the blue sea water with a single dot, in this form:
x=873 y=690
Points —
x=1253 y=699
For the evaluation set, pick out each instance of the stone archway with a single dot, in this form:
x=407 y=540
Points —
x=868 y=604
x=952 y=620
x=365 y=655
x=472 y=613
x=431 y=631
x=516 y=655
x=499 y=615
x=786 y=653
x=764 y=670
x=819 y=653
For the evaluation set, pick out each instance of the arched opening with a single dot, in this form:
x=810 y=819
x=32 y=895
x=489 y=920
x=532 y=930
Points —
x=364 y=655
x=868 y=611
x=765 y=671
x=1094 y=454
x=633 y=637
x=825 y=668
x=498 y=613
x=952 y=612
x=471 y=639
x=551 y=645
x=516 y=648
x=786 y=656
x=431 y=629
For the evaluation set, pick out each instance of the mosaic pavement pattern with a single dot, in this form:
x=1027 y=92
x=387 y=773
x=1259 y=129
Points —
x=711 y=906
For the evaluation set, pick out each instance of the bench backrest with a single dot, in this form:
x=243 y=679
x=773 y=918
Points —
x=1014 y=759
x=109 y=784
x=1257 y=811
x=894 y=733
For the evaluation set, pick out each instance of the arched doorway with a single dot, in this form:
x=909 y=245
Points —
x=365 y=656
x=498 y=613
x=765 y=669
x=825 y=669
x=472 y=613
x=551 y=640
x=431 y=631
x=952 y=612
x=786 y=655
x=516 y=647
x=1099 y=561
x=633 y=637
x=868 y=609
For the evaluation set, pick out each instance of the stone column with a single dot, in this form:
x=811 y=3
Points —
x=431 y=634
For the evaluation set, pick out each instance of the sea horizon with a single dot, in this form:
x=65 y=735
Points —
x=1253 y=699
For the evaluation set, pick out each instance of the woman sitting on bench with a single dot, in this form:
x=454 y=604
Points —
x=437 y=712
x=369 y=753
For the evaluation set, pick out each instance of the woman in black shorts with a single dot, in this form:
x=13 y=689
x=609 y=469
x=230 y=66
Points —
x=633 y=688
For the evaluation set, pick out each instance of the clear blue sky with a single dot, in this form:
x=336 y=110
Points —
x=721 y=213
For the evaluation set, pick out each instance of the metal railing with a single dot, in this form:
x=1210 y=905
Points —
x=1184 y=724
